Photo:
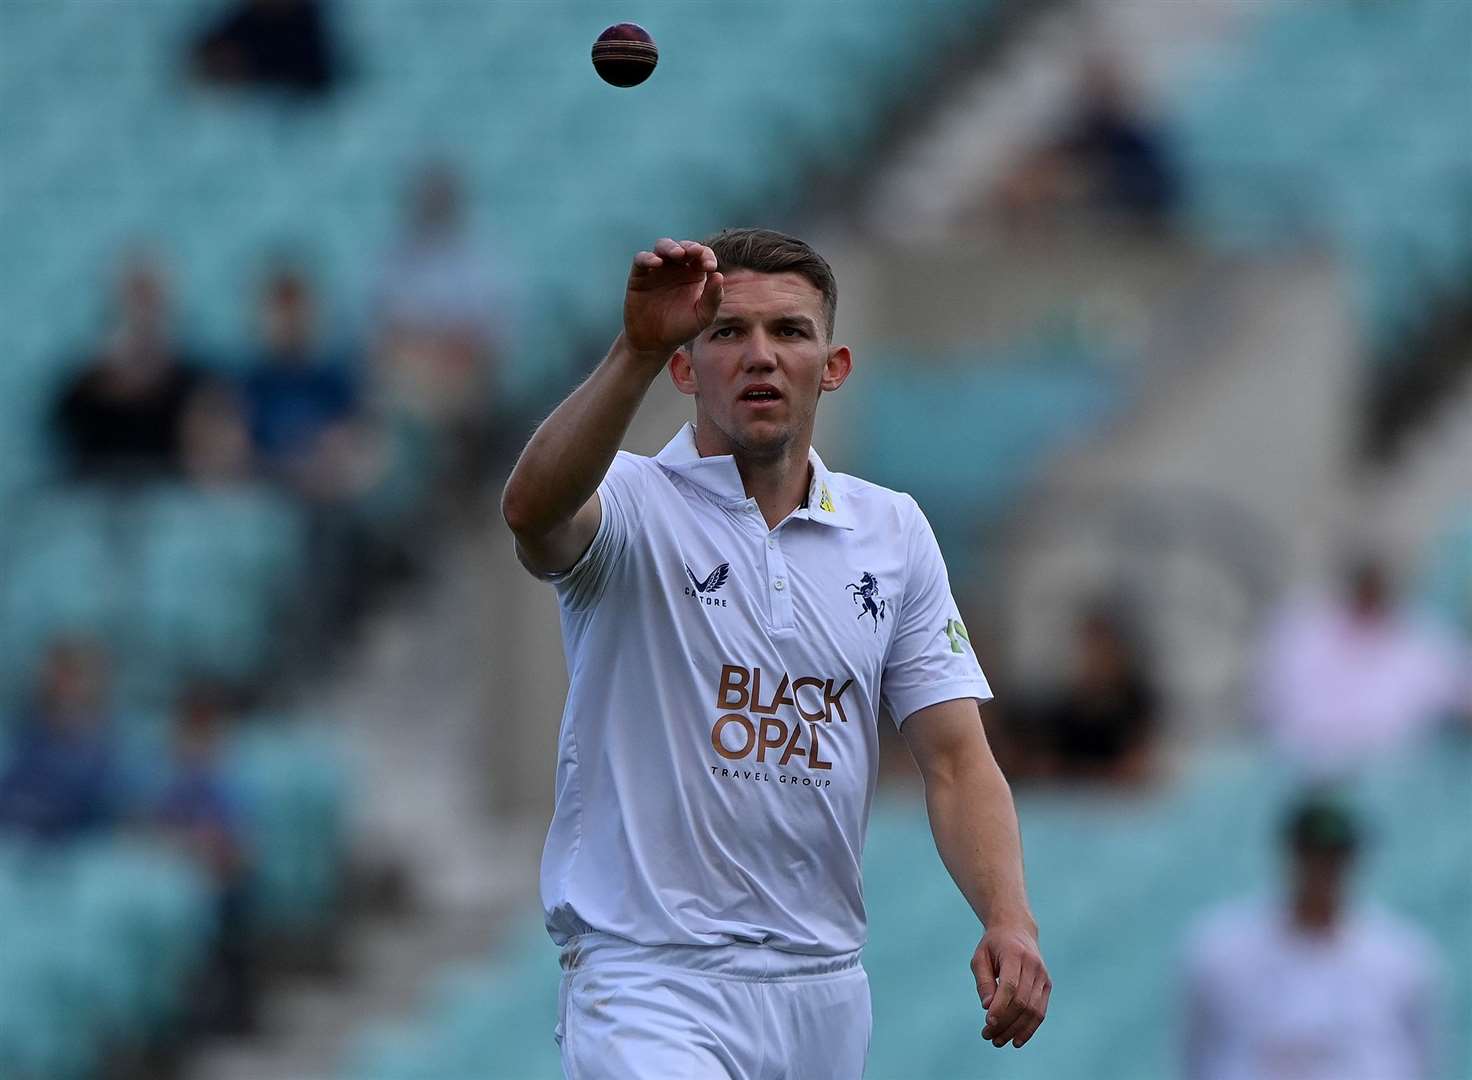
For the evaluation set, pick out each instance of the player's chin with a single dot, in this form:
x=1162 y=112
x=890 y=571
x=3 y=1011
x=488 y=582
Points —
x=766 y=433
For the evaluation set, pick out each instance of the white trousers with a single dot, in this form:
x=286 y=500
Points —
x=733 y=1012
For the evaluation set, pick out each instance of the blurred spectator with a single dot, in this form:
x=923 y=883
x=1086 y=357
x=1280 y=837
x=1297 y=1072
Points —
x=64 y=778
x=297 y=397
x=1311 y=986
x=200 y=812
x=216 y=443
x=308 y=434
x=1099 y=724
x=435 y=282
x=1109 y=158
x=120 y=417
x=1346 y=679
x=1102 y=724
x=286 y=44
x=198 y=808
x=440 y=327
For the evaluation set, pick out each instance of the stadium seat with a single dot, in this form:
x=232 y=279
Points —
x=209 y=173
x=295 y=792
x=99 y=944
x=1446 y=578
x=993 y=417
x=1344 y=122
x=211 y=572
x=1116 y=881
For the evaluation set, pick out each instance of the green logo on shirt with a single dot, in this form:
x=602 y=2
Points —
x=956 y=632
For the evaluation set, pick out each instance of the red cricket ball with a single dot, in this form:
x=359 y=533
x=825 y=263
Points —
x=625 y=54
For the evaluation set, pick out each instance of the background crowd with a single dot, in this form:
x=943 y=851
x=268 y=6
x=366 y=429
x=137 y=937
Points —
x=288 y=283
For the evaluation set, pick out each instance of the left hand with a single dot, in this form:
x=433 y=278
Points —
x=1012 y=983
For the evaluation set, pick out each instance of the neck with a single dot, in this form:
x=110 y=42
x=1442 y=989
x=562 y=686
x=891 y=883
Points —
x=778 y=483
x=778 y=486
x=1314 y=914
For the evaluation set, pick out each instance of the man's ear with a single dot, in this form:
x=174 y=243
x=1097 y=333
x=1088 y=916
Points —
x=836 y=370
x=682 y=371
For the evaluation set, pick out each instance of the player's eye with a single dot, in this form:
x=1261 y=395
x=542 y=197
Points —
x=723 y=330
x=795 y=331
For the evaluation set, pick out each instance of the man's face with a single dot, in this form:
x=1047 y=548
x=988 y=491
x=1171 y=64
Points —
x=143 y=311
x=435 y=203
x=73 y=686
x=757 y=370
x=287 y=318
x=1370 y=591
x=1320 y=875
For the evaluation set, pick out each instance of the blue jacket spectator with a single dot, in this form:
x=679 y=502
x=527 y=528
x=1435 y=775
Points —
x=64 y=778
x=198 y=804
x=295 y=394
x=200 y=810
x=1108 y=157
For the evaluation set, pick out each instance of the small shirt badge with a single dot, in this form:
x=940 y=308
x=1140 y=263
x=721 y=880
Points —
x=865 y=593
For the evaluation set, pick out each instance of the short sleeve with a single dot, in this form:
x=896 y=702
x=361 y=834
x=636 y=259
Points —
x=621 y=495
x=1422 y=1005
x=1197 y=1024
x=930 y=659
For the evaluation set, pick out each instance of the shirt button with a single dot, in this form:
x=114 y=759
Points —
x=779 y=584
x=771 y=541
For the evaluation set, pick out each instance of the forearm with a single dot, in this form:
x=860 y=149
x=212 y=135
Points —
x=570 y=453
x=975 y=826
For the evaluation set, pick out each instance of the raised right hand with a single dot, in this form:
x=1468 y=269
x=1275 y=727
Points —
x=673 y=294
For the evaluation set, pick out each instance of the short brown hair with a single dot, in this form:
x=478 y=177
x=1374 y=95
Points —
x=766 y=251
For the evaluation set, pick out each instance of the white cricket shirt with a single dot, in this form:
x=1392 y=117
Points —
x=719 y=746
x=1266 y=1000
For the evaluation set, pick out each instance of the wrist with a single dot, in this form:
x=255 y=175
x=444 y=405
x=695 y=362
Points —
x=1018 y=920
x=645 y=361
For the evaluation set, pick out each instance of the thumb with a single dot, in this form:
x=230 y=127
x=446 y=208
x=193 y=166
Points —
x=986 y=977
x=710 y=297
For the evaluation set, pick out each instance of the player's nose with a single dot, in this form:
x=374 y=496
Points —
x=761 y=353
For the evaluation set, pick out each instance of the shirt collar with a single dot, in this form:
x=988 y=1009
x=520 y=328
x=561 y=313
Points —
x=719 y=476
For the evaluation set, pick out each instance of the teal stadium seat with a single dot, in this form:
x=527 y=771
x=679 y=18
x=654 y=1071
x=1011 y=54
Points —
x=104 y=146
x=58 y=577
x=1446 y=578
x=1116 y=882
x=127 y=151
x=295 y=791
x=993 y=419
x=99 y=944
x=214 y=570
x=1344 y=122
x=175 y=582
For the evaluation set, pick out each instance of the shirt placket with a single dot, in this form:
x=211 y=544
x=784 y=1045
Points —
x=779 y=582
